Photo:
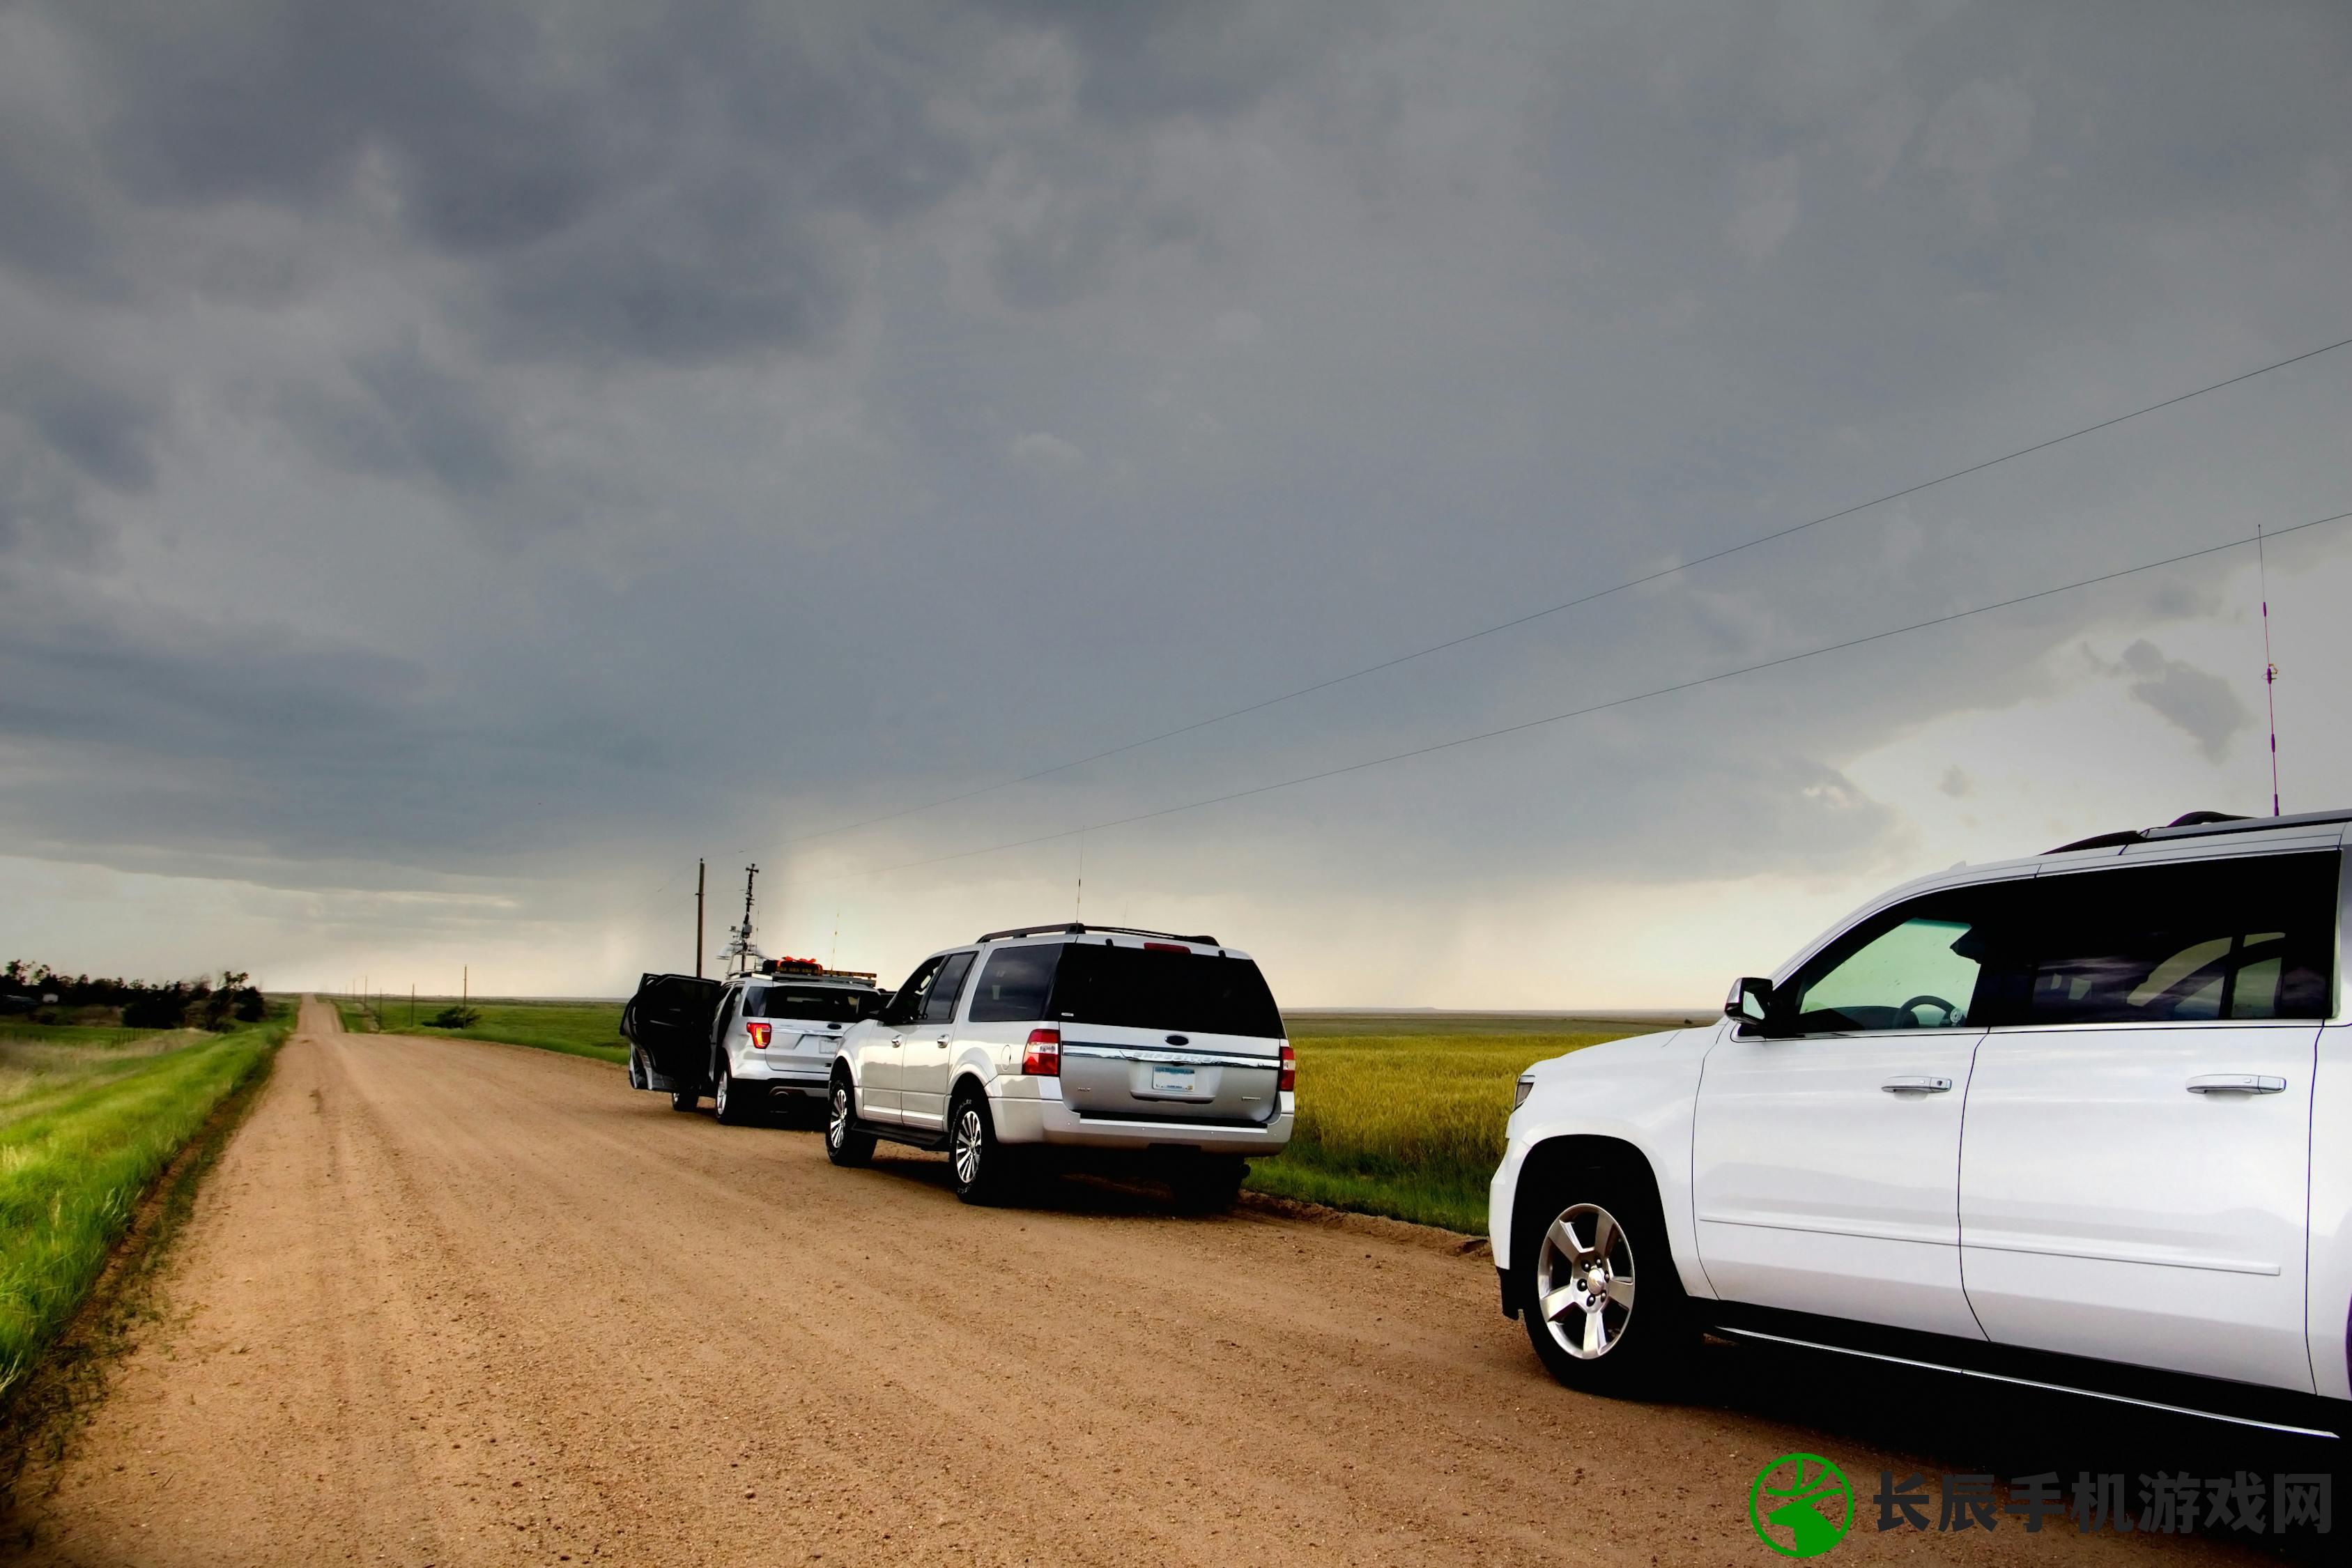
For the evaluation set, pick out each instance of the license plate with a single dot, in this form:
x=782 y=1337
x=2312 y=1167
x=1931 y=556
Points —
x=1171 y=1080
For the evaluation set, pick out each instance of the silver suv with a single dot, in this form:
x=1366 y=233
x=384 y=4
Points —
x=1086 y=1045
x=773 y=1036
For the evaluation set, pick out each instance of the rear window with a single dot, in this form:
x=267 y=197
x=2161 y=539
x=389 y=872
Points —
x=1133 y=988
x=823 y=1004
x=2248 y=938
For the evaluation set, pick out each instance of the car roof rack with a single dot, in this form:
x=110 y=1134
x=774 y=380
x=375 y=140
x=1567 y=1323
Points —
x=2199 y=824
x=1072 y=928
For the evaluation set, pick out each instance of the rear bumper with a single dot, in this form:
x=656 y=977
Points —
x=784 y=1078
x=1025 y=1120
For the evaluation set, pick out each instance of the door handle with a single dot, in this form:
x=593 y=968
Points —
x=1916 y=1084
x=2236 y=1083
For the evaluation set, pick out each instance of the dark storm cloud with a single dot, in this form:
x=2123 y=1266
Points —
x=444 y=434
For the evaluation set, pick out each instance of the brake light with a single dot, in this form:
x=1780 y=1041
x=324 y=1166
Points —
x=760 y=1035
x=1166 y=947
x=1289 y=1078
x=1042 y=1057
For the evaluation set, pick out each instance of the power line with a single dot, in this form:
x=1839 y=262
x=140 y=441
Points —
x=1614 y=701
x=1597 y=594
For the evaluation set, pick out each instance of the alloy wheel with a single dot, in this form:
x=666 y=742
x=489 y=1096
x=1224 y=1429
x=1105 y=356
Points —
x=720 y=1099
x=1584 y=1281
x=971 y=1139
x=836 y=1124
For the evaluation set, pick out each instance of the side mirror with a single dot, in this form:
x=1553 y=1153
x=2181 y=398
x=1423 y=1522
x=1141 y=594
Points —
x=1750 y=1001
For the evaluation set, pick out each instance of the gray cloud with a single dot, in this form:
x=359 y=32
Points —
x=444 y=437
x=2204 y=706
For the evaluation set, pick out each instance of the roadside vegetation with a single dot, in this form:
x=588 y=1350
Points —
x=575 y=1028
x=1403 y=1115
x=90 y=1116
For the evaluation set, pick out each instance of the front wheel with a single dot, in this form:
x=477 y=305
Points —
x=844 y=1143
x=1602 y=1304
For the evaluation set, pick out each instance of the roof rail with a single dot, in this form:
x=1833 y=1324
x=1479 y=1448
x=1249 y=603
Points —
x=1072 y=928
x=2199 y=824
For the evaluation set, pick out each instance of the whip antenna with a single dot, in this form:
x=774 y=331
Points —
x=2270 y=671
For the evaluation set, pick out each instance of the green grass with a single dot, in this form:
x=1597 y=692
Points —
x=575 y=1028
x=87 y=1120
x=1410 y=1124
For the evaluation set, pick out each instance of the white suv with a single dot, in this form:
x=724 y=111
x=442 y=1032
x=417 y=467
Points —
x=1096 y=1044
x=2083 y=1121
x=773 y=1036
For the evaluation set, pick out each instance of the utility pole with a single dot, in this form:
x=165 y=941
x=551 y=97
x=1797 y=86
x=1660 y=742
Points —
x=700 y=866
x=464 y=984
x=412 y=1004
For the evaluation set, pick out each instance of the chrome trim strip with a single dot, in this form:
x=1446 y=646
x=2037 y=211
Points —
x=2044 y=1250
x=1173 y=1058
x=2031 y=1383
x=1816 y=1227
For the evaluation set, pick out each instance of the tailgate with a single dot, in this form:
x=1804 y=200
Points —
x=1145 y=1074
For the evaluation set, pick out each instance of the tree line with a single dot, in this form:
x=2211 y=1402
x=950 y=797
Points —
x=180 y=1003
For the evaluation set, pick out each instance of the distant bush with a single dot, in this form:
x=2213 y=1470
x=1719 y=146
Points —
x=454 y=1018
x=164 y=1009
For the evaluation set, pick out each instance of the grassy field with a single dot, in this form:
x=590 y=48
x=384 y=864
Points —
x=1402 y=1114
x=575 y=1028
x=87 y=1119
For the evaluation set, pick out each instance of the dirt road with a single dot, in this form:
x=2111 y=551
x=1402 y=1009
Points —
x=459 y=1304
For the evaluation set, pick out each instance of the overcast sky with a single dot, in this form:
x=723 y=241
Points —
x=460 y=461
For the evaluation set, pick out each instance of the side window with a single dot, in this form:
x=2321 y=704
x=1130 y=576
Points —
x=1948 y=961
x=1014 y=983
x=940 y=1004
x=727 y=1012
x=907 y=1000
x=2247 y=939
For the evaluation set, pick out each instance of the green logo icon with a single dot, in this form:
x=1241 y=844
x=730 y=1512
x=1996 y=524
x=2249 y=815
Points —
x=1801 y=1505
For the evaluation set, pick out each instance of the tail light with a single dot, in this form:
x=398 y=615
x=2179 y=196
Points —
x=1167 y=947
x=759 y=1032
x=1042 y=1057
x=1288 y=1081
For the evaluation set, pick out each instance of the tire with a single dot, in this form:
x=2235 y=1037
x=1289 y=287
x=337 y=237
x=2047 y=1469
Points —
x=984 y=1171
x=1585 y=1238
x=1207 y=1184
x=735 y=1108
x=684 y=1099
x=844 y=1143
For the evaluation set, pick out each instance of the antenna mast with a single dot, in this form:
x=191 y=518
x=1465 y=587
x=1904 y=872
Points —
x=743 y=940
x=2270 y=671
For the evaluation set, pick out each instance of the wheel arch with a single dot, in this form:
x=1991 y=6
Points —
x=1546 y=1162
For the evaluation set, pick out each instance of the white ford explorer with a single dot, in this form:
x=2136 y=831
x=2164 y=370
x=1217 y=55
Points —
x=2082 y=1121
x=1092 y=1045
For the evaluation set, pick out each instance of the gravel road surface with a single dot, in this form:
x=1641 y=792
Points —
x=462 y=1304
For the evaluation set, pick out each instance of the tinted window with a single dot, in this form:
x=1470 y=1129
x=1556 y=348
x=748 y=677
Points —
x=1013 y=984
x=1139 y=988
x=2251 y=938
x=940 y=1005
x=1948 y=961
x=727 y=1012
x=820 y=1003
x=907 y=1000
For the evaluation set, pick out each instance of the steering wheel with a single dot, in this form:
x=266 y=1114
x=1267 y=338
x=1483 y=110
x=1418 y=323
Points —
x=1951 y=1014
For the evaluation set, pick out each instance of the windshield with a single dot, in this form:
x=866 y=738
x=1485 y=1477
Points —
x=1134 y=987
x=820 y=1003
